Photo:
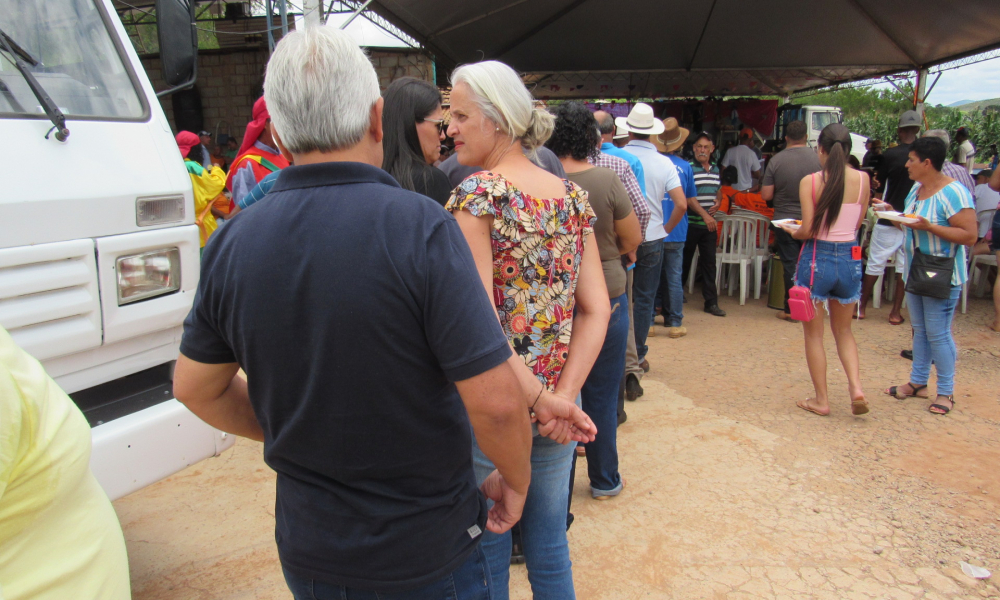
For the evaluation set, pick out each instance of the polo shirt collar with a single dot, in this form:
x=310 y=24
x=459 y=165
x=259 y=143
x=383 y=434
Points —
x=607 y=146
x=642 y=144
x=331 y=173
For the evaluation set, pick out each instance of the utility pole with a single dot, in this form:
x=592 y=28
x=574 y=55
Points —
x=311 y=13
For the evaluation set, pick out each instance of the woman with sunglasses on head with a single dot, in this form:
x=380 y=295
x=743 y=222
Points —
x=413 y=124
x=834 y=202
x=946 y=225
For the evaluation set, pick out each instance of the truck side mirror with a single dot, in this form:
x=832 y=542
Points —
x=178 y=43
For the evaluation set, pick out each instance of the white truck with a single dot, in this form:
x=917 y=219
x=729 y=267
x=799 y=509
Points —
x=816 y=118
x=99 y=253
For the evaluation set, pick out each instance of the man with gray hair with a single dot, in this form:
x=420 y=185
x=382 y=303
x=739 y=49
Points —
x=369 y=348
x=956 y=172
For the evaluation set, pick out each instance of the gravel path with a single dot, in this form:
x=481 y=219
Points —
x=732 y=492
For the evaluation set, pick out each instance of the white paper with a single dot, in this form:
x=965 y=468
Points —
x=974 y=572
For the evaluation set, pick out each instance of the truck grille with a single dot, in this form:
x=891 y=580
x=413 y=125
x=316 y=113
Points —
x=49 y=299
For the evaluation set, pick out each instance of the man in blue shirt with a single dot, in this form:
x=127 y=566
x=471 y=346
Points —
x=606 y=123
x=671 y=277
x=370 y=350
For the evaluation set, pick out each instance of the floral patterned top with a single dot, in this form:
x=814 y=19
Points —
x=537 y=249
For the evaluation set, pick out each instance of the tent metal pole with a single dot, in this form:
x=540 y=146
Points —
x=311 y=13
x=355 y=15
x=283 y=11
x=270 y=23
x=920 y=92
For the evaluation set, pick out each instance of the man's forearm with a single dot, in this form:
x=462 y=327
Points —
x=675 y=217
x=230 y=412
x=500 y=422
x=699 y=210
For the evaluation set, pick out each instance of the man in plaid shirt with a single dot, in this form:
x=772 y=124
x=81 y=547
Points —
x=634 y=182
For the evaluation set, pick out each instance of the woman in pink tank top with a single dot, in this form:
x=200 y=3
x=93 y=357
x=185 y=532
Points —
x=834 y=202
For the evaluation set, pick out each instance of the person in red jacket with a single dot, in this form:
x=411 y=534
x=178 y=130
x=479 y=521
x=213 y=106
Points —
x=258 y=156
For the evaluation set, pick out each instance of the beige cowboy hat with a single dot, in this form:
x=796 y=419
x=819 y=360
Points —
x=641 y=120
x=672 y=138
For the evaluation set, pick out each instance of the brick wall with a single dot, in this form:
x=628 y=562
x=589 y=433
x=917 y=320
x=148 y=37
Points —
x=230 y=82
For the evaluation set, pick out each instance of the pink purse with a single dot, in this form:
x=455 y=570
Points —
x=800 y=302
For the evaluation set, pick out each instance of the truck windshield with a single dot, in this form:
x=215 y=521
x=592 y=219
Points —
x=78 y=63
x=822 y=119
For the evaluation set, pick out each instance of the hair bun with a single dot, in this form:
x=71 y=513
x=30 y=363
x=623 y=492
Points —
x=540 y=128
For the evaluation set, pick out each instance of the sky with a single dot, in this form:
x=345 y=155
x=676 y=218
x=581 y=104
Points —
x=979 y=81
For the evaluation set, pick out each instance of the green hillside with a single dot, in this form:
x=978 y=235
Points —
x=973 y=106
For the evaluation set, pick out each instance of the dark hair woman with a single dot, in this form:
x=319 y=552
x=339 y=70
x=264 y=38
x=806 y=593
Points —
x=946 y=225
x=834 y=202
x=413 y=123
x=575 y=140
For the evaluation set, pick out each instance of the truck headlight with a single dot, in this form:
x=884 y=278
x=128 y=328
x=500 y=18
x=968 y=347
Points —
x=157 y=210
x=147 y=275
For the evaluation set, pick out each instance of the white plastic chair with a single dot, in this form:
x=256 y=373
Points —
x=737 y=249
x=762 y=255
x=976 y=278
x=891 y=289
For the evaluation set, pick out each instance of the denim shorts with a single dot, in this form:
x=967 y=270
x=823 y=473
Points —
x=838 y=276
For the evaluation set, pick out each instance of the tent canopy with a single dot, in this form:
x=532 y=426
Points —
x=647 y=48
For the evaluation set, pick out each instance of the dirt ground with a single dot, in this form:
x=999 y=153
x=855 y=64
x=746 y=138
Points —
x=732 y=492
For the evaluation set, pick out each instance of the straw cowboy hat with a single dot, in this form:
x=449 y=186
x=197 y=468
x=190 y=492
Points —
x=672 y=138
x=641 y=120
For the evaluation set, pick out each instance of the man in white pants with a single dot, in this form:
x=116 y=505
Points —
x=887 y=237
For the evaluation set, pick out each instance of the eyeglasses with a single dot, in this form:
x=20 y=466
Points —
x=441 y=125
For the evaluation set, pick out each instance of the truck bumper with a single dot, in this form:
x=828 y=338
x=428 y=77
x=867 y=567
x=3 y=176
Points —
x=144 y=447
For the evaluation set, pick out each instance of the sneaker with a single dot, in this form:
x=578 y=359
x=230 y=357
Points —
x=622 y=417
x=632 y=388
x=677 y=332
x=715 y=310
x=907 y=354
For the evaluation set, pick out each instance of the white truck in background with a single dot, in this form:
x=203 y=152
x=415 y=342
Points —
x=99 y=253
x=816 y=118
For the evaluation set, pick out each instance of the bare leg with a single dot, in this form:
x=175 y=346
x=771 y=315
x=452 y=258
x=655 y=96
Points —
x=847 y=347
x=816 y=359
x=895 y=316
x=867 y=285
x=996 y=299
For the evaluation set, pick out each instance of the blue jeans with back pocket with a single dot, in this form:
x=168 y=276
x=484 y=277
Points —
x=837 y=274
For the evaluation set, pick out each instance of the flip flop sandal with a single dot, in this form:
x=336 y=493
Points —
x=859 y=407
x=941 y=408
x=894 y=391
x=804 y=405
x=899 y=322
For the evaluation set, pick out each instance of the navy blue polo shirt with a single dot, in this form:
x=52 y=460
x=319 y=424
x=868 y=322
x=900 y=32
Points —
x=353 y=305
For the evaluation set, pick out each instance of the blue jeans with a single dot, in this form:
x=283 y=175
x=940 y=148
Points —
x=600 y=402
x=470 y=581
x=543 y=524
x=837 y=275
x=645 y=279
x=932 y=339
x=673 y=295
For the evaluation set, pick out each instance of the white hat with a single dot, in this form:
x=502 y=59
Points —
x=620 y=132
x=641 y=120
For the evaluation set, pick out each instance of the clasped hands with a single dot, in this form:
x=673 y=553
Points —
x=560 y=419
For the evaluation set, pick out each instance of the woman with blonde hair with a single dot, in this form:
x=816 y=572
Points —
x=531 y=237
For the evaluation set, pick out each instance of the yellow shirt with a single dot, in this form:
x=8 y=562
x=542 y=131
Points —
x=207 y=187
x=59 y=535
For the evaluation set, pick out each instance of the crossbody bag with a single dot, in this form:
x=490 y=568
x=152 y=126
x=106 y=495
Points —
x=930 y=275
